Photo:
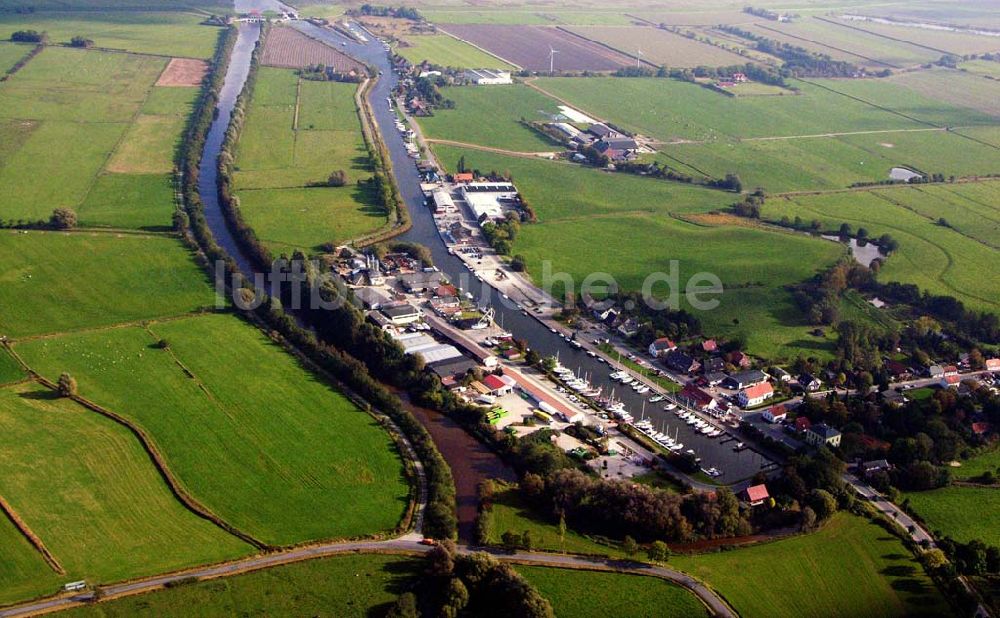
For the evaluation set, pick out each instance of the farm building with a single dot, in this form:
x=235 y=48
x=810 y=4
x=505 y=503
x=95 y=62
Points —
x=567 y=129
x=488 y=77
x=755 y=395
x=488 y=200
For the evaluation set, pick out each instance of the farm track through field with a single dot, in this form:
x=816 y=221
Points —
x=510 y=153
x=840 y=134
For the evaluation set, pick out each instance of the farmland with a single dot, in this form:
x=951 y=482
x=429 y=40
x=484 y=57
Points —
x=94 y=120
x=668 y=109
x=282 y=167
x=963 y=513
x=10 y=370
x=84 y=485
x=10 y=53
x=819 y=574
x=491 y=116
x=659 y=47
x=284 y=446
x=349 y=586
x=941 y=260
x=447 y=51
x=169 y=33
x=54 y=282
x=289 y=48
x=938 y=40
x=528 y=47
x=819 y=163
x=576 y=211
x=24 y=574
x=611 y=594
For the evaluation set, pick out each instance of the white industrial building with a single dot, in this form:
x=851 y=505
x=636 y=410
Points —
x=488 y=77
x=486 y=200
x=443 y=202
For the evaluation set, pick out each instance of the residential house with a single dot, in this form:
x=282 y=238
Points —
x=739 y=359
x=714 y=378
x=809 y=382
x=661 y=347
x=897 y=370
x=739 y=78
x=713 y=364
x=868 y=467
x=463 y=177
x=935 y=371
x=709 y=345
x=628 y=328
x=782 y=375
x=981 y=428
x=894 y=397
x=696 y=398
x=950 y=381
x=371 y=298
x=756 y=495
x=745 y=379
x=802 y=424
x=681 y=362
x=821 y=434
x=950 y=370
x=775 y=414
x=755 y=395
x=993 y=364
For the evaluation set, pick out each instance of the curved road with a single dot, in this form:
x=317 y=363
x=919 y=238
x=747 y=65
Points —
x=408 y=544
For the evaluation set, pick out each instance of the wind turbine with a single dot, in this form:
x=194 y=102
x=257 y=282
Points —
x=638 y=56
x=552 y=58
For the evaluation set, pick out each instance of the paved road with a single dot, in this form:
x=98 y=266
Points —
x=917 y=533
x=406 y=544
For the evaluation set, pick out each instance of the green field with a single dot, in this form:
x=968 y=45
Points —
x=447 y=51
x=510 y=514
x=24 y=574
x=10 y=53
x=865 y=44
x=988 y=461
x=290 y=219
x=10 y=369
x=85 y=486
x=963 y=513
x=140 y=201
x=849 y=568
x=668 y=109
x=276 y=160
x=77 y=115
x=580 y=208
x=491 y=116
x=53 y=282
x=941 y=260
x=592 y=594
x=173 y=33
x=251 y=434
x=989 y=68
x=823 y=163
x=349 y=586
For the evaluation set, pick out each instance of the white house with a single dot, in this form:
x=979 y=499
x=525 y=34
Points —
x=661 y=346
x=775 y=414
x=755 y=395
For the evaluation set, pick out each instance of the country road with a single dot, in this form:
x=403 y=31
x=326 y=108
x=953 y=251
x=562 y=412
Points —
x=408 y=544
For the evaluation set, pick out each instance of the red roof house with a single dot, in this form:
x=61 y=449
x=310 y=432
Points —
x=464 y=177
x=980 y=428
x=755 y=395
x=993 y=364
x=756 y=494
x=709 y=345
x=739 y=359
x=697 y=398
x=802 y=423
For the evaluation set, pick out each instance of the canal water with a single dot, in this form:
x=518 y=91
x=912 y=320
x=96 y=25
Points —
x=734 y=465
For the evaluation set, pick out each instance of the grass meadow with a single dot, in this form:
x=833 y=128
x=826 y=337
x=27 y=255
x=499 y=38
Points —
x=984 y=462
x=963 y=513
x=249 y=432
x=825 y=163
x=86 y=487
x=593 y=594
x=95 y=121
x=10 y=369
x=939 y=259
x=850 y=567
x=348 y=586
x=642 y=224
x=863 y=44
x=10 y=53
x=173 y=33
x=24 y=574
x=276 y=160
x=491 y=116
x=447 y=51
x=668 y=109
x=54 y=281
